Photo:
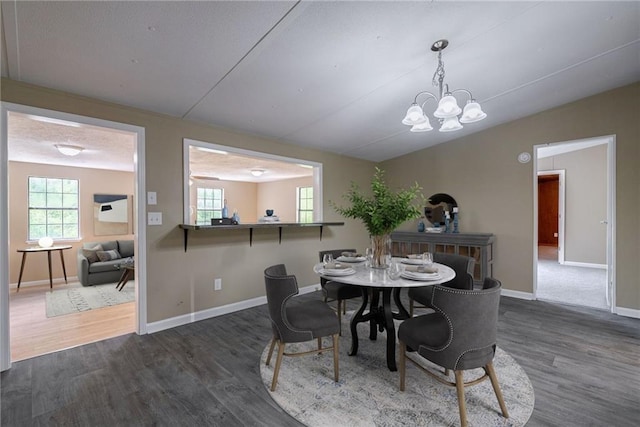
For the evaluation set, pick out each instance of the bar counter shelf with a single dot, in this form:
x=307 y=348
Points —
x=186 y=228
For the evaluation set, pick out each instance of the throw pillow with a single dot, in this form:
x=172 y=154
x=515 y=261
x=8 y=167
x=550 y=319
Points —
x=108 y=255
x=90 y=253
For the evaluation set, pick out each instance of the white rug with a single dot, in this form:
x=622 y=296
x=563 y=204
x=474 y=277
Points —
x=83 y=298
x=368 y=393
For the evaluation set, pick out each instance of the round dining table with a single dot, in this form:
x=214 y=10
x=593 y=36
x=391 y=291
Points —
x=376 y=281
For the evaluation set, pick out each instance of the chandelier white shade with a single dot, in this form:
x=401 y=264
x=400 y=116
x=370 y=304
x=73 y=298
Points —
x=69 y=150
x=257 y=172
x=448 y=110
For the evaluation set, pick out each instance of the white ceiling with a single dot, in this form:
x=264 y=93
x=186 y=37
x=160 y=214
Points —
x=336 y=76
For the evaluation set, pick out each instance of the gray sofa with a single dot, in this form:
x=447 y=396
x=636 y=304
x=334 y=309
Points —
x=97 y=266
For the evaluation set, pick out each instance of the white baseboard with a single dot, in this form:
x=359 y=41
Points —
x=185 y=319
x=42 y=282
x=621 y=311
x=628 y=312
x=585 y=264
x=517 y=294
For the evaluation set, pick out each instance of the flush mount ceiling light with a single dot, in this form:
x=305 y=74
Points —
x=257 y=172
x=69 y=150
x=448 y=109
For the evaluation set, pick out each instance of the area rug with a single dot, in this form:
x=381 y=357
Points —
x=83 y=298
x=368 y=393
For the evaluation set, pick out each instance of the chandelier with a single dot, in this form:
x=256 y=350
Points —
x=448 y=110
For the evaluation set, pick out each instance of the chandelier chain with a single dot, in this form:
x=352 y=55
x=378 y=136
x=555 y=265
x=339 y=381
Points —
x=438 y=76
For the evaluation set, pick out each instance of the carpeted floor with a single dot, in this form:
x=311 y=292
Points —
x=368 y=393
x=83 y=298
x=572 y=285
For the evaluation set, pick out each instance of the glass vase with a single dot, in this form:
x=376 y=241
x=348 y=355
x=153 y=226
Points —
x=381 y=247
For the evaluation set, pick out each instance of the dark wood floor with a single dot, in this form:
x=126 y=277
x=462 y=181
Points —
x=584 y=365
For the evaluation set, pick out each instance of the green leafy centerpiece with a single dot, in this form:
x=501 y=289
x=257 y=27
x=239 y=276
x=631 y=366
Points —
x=382 y=212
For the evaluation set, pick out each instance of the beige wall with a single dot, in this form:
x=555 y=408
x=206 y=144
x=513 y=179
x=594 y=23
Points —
x=281 y=197
x=495 y=192
x=585 y=202
x=91 y=181
x=180 y=283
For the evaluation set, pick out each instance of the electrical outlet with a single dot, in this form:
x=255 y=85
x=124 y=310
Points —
x=217 y=284
x=154 y=218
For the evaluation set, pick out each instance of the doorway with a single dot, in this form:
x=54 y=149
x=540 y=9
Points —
x=574 y=203
x=551 y=185
x=138 y=214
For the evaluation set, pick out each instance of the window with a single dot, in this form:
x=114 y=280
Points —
x=305 y=204
x=53 y=208
x=208 y=205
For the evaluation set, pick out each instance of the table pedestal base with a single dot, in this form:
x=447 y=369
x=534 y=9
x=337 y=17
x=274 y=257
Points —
x=380 y=317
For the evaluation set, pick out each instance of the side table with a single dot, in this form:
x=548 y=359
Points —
x=128 y=271
x=48 y=250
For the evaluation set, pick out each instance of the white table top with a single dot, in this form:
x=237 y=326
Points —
x=41 y=249
x=379 y=278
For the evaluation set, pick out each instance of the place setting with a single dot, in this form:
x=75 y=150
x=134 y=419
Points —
x=418 y=259
x=420 y=267
x=331 y=267
x=351 y=258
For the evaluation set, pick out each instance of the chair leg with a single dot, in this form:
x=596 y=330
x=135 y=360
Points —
x=335 y=357
x=273 y=343
x=340 y=302
x=496 y=388
x=276 y=370
x=344 y=306
x=461 y=403
x=410 y=307
x=403 y=364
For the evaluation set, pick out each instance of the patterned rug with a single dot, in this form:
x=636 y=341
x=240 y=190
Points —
x=83 y=298
x=368 y=393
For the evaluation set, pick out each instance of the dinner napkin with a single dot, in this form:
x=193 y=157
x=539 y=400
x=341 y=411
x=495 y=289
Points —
x=351 y=254
x=421 y=269
x=335 y=266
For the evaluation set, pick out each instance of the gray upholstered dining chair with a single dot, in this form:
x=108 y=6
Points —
x=336 y=291
x=298 y=322
x=459 y=335
x=462 y=265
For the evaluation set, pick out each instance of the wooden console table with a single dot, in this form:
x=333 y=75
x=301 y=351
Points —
x=279 y=225
x=48 y=250
x=476 y=245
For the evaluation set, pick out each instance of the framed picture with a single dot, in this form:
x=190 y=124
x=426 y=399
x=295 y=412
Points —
x=110 y=214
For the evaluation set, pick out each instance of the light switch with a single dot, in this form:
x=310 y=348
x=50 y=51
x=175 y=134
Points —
x=154 y=218
x=152 y=198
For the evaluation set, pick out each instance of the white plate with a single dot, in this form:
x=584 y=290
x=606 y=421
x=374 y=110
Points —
x=412 y=261
x=352 y=260
x=420 y=276
x=337 y=272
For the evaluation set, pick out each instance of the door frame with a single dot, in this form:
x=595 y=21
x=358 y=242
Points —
x=610 y=141
x=561 y=209
x=139 y=215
